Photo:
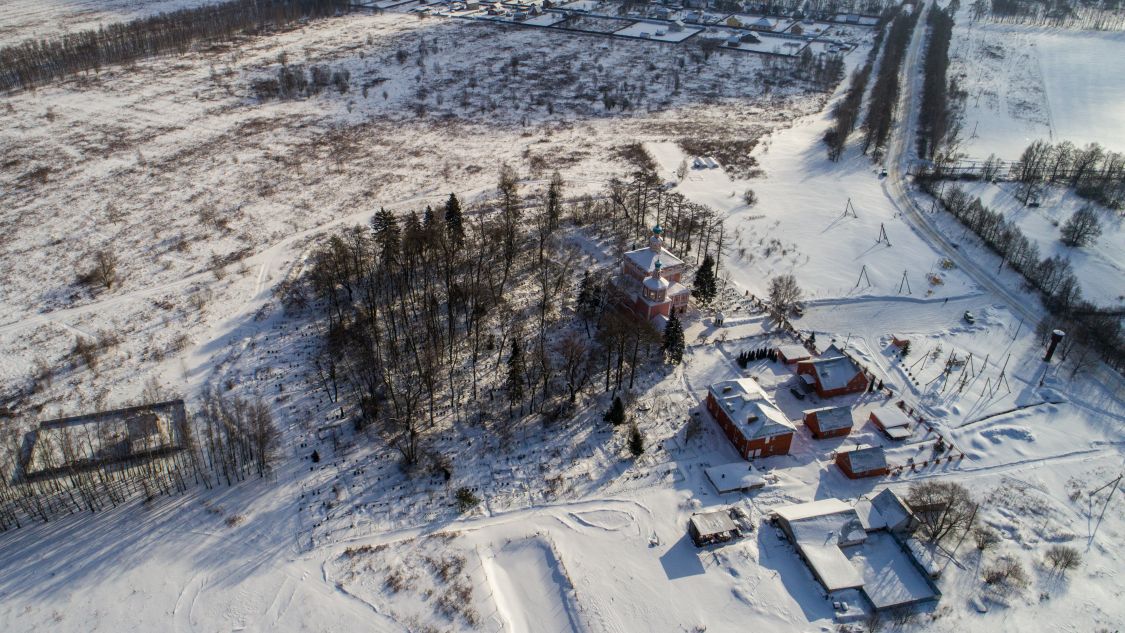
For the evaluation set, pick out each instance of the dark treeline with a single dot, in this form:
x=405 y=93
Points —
x=935 y=121
x=819 y=9
x=1085 y=14
x=454 y=314
x=846 y=111
x=35 y=62
x=1096 y=329
x=1095 y=173
x=229 y=440
x=884 y=94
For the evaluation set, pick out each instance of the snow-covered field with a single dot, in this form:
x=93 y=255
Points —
x=174 y=160
x=1100 y=267
x=1026 y=83
x=178 y=168
x=26 y=19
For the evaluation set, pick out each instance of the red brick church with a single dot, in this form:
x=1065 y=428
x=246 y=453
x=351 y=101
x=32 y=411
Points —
x=651 y=280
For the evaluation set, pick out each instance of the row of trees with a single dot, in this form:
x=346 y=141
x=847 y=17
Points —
x=36 y=62
x=1094 y=172
x=846 y=112
x=1087 y=325
x=229 y=440
x=883 y=101
x=935 y=119
x=1082 y=14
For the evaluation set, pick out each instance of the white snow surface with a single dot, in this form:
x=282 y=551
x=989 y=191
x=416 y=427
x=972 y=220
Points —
x=1029 y=83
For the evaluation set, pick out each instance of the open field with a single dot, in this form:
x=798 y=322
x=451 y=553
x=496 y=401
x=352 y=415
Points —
x=1027 y=83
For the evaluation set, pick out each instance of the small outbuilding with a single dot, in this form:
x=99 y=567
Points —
x=708 y=528
x=792 y=354
x=829 y=422
x=862 y=461
x=892 y=421
x=735 y=477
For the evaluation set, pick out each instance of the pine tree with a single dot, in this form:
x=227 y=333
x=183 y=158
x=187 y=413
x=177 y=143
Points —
x=387 y=234
x=616 y=413
x=454 y=220
x=704 y=288
x=554 y=200
x=428 y=219
x=673 y=344
x=514 y=382
x=589 y=299
x=636 y=442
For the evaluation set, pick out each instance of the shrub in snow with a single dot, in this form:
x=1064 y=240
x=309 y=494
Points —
x=1062 y=558
x=1007 y=574
x=466 y=500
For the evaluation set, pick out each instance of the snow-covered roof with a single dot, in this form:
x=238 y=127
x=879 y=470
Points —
x=869 y=515
x=713 y=522
x=819 y=529
x=645 y=258
x=895 y=511
x=890 y=416
x=889 y=576
x=736 y=476
x=656 y=283
x=866 y=458
x=832 y=418
x=800 y=511
x=793 y=352
x=677 y=289
x=834 y=372
x=750 y=409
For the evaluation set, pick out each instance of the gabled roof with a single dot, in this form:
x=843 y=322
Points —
x=865 y=458
x=713 y=523
x=895 y=512
x=833 y=369
x=819 y=529
x=750 y=409
x=890 y=416
x=793 y=351
x=832 y=418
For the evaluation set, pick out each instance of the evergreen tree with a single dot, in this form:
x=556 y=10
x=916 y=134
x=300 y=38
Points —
x=514 y=382
x=704 y=288
x=905 y=349
x=589 y=299
x=387 y=234
x=454 y=220
x=616 y=413
x=636 y=442
x=673 y=344
x=428 y=220
x=554 y=200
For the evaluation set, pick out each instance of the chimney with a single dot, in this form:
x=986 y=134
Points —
x=1056 y=336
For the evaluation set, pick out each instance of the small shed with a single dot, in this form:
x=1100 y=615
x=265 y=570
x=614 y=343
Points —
x=792 y=354
x=862 y=461
x=829 y=421
x=892 y=421
x=735 y=477
x=708 y=528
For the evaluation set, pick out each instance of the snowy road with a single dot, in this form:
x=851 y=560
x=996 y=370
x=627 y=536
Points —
x=900 y=156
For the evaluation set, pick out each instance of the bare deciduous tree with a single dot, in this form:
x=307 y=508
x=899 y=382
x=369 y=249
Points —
x=943 y=508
